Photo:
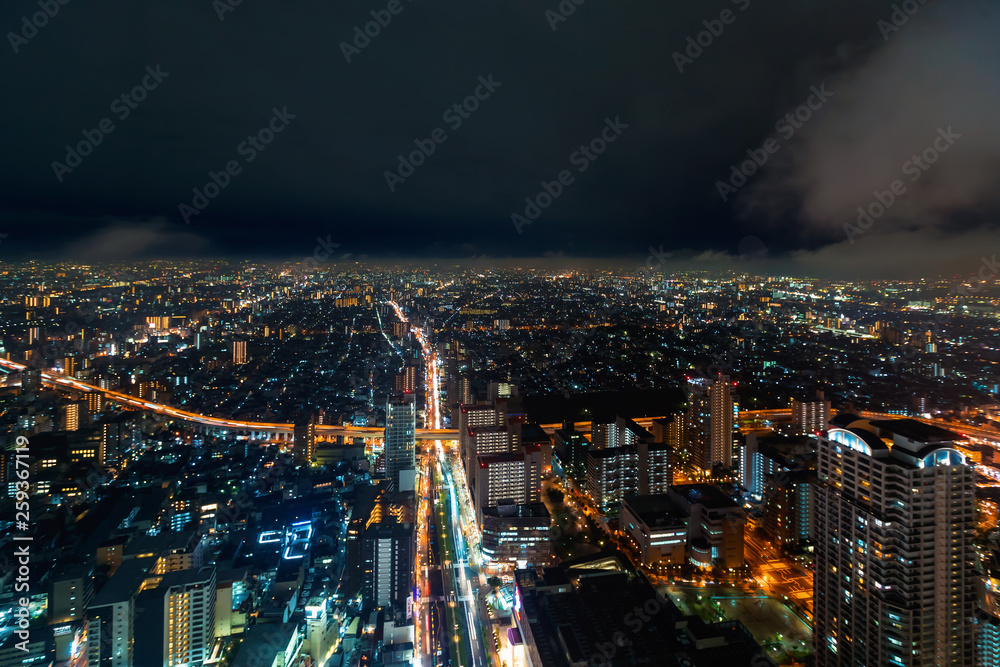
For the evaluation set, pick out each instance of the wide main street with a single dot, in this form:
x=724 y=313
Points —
x=461 y=583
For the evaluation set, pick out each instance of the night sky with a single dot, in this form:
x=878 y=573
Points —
x=881 y=93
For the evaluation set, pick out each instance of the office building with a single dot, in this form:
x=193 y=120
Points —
x=239 y=348
x=233 y=601
x=894 y=582
x=304 y=435
x=716 y=525
x=710 y=422
x=400 y=443
x=387 y=553
x=517 y=535
x=789 y=508
x=71 y=593
x=111 y=617
x=501 y=390
x=810 y=416
x=656 y=528
x=485 y=440
x=475 y=416
x=612 y=475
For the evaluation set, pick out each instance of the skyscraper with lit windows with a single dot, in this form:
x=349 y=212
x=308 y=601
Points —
x=239 y=351
x=810 y=415
x=894 y=581
x=400 y=442
x=710 y=422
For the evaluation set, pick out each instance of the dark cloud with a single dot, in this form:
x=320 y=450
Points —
x=324 y=174
x=937 y=75
x=129 y=240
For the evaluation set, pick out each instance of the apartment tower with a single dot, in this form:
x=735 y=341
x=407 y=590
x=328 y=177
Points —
x=894 y=581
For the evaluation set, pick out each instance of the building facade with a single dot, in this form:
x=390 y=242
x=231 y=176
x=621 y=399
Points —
x=612 y=475
x=716 y=525
x=518 y=535
x=710 y=422
x=400 y=443
x=512 y=478
x=894 y=581
x=387 y=558
x=810 y=416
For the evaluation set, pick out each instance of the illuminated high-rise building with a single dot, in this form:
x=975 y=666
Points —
x=612 y=476
x=304 y=435
x=466 y=395
x=498 y=390
x=988 y=611
x=239 y=351
x=485 y=440
x=710 y=422
x=638 y=463
x=656 y=467
x=31 y=379
x=670 y=430
x=810 y=416
x=175 y=618
x=894 y=580
x=190 y=617
x=484 y=415
x=95 y=402
x=37 y=301
x=387 y=562
x=71 y=416
x=400 y=442
x=406 y=382
x=158 y=324
x=507 y=479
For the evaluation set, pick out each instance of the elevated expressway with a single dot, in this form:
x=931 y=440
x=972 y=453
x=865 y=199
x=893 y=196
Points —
x=282 y=431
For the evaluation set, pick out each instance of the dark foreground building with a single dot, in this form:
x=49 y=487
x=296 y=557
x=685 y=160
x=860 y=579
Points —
x=601 y=611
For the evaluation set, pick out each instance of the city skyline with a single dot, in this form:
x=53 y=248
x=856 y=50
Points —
x=396 y=460
x=517 y=334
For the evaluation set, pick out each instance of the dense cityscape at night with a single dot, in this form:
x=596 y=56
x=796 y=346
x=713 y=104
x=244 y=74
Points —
x=363 y=464
x=569 y=333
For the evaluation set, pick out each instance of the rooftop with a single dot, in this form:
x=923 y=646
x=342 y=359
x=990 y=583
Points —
x=708 y=495
x=656 y=511
x=916 y=431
